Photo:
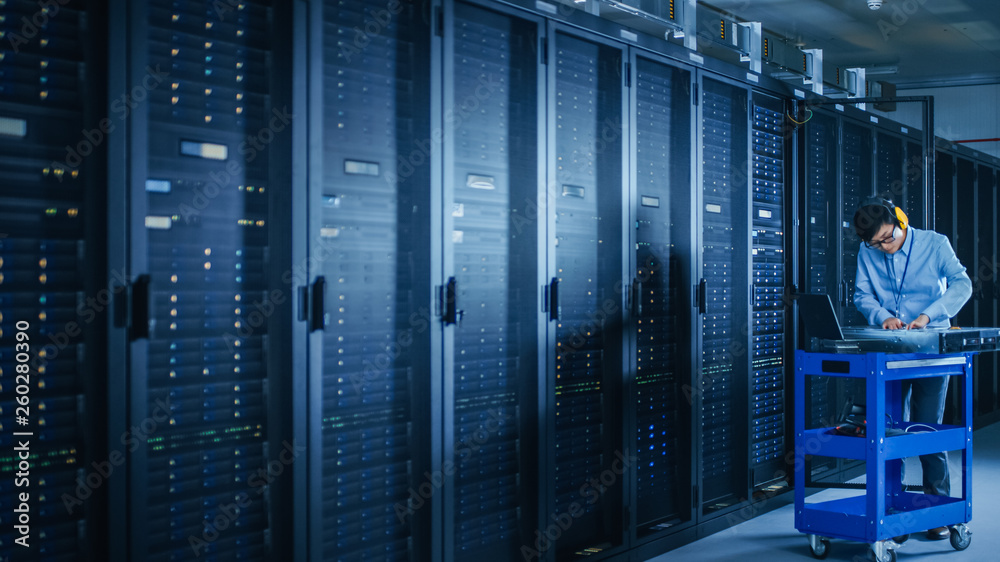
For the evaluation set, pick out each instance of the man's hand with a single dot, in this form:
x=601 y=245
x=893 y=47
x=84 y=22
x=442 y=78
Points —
x=920 y=322
x=893 y=324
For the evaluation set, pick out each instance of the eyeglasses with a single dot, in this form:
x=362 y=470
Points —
x=888 y=240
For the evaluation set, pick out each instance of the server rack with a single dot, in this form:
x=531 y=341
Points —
x=821 y=245
x=914 y=198
x=889 y=166
x=821 y=248
x=493 y=226
x=944 y=194
x=856 y=184
x=661 y=321
x=364 y=291
x=50 y=241
x=586 y=132
x=724 y=304
x=840 y=171
x=767 y=420
x=196 y=162
x=946 y=205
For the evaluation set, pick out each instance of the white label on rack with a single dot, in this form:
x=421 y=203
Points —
x=712 y=208
x=629 y=36
x=158 y=223
x=838 y=107
x=207 y=150
x=799 y=94
x=158 y=186
x=873 y=119
x=695 y=57
x=13 y=127
x=904 y=130
x=753 y=77
x=764 y=214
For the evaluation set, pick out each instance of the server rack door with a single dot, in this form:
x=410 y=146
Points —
x=965 y=232
x=492 y=166
x=586 y=293
x=50 y=276
x=914 y=200
x=944 y=195
x=724 y=295
x=889 y=168
x=662 y=324
x=372 y=487
x=856 y=185
x=767 y=393
x=983 y=273
x=821 y=262
x=199 y=393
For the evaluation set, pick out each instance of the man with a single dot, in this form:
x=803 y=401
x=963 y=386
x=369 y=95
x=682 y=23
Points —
x=910 y=278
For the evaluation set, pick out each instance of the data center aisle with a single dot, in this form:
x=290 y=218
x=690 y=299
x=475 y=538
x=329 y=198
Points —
x=772 y=537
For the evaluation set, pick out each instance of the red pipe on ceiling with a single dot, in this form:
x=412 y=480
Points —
x=977 y=140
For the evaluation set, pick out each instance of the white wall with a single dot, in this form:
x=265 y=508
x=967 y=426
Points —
x=960 y=113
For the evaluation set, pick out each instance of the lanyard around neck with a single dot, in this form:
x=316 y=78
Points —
x=898 y=295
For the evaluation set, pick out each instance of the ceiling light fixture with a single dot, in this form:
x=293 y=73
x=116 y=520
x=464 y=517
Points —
x=874 y=4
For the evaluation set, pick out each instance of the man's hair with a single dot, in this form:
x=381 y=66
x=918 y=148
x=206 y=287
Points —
x=868 y=220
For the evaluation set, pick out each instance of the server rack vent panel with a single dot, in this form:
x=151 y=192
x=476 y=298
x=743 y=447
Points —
x=944 y=195
x=725 y=244
x=821 y=206
x=856 y=185
x=889 y=168
x=495 y=351
x=913 y=176
x=45 y=256
x=207 y=232
x=369 y=193
x=588 y=255
x=768 y=329
x=662 y=170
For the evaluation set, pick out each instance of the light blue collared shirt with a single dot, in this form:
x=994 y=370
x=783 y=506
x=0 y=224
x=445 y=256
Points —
x=935 y=284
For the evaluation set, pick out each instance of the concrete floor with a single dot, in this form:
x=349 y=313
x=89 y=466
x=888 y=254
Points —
x=772 y=537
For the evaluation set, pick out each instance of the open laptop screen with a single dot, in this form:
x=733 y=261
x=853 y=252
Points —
x=817 y=315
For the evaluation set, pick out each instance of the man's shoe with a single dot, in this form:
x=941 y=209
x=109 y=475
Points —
x=938 y=534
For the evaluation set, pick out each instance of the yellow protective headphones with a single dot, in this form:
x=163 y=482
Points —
x=901 y=221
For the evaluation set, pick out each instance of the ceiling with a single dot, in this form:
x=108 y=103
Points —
x=930 y=42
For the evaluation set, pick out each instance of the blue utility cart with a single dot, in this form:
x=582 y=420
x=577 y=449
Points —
x=887 y=513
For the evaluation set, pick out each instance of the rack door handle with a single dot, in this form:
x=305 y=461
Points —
x=452 y=314
x=703 y=296
x=139 y=298
x=555 y=310
x=317 y=312
x=637 y=296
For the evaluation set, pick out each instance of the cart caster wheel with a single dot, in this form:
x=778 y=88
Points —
x=890 y=556
x=901 y=538
x=960 y=537
x=821 y=550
